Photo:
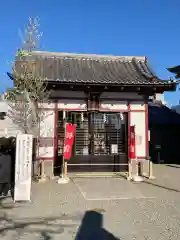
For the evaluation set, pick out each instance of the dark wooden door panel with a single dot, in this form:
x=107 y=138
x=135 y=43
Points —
x=100 y=139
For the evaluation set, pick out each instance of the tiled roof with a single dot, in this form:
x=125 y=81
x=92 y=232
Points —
x=95 y=69
x=161 y=114
x=175 y=70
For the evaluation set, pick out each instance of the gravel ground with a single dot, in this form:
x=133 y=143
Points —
x=98 y=208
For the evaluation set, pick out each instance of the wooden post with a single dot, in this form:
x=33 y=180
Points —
x=64 y=164
x=42 y=168
x=42 y=174
x=129 y=170
x=63 y=178
x=65 y=169
x=151 y=176
x=137 y=167
x=145 y=168
x=62 y=168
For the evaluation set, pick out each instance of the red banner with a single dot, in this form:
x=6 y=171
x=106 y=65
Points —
x=69 y=140
x=132 y=143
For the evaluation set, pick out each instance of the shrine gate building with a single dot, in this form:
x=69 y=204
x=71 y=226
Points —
x=104 y=96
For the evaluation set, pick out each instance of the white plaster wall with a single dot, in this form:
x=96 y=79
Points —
x=72 y=104
x=47 y=105
x=47 y=124
x=138 y=119
x=160 y=97
x=47 y=131
x=139 y=105
x=113 y=105
x=46 y=152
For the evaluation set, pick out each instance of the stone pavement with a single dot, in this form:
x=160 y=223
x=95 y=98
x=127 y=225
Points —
x=102 y=208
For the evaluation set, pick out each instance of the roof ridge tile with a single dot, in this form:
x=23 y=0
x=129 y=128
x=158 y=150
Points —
x=90 y=56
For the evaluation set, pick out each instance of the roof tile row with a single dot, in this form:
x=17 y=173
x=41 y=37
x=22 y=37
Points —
x=94 y=69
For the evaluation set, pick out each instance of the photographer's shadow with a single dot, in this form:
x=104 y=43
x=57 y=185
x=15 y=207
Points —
x=92 y=228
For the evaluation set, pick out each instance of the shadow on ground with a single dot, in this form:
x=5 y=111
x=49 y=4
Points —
x=173 y=166
x=92 y=228
x=91 y=225
x=163 y=187
x=44 y=228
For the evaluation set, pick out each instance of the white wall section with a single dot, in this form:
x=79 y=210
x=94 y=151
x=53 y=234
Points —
x=138 y=105
x=75 y=104
x=47 y=134
x=113 y=105
x=138 y=119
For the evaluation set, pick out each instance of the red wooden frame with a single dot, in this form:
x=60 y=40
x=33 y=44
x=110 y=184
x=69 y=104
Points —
x=129 y=110
x=146 y=128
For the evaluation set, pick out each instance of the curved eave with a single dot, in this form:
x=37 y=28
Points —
x=157 y=86
x=142 y=88
x=175 y=69
x=167 y=85
x=163 y=83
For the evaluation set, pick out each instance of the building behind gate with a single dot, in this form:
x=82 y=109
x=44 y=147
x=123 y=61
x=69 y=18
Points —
x=102 y=95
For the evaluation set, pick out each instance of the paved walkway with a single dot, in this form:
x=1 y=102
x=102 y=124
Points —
x=102 y=208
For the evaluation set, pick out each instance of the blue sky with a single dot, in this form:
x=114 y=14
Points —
x=118 y=27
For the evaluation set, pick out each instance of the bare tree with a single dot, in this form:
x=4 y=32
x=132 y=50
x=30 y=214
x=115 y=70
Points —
x=26 y=99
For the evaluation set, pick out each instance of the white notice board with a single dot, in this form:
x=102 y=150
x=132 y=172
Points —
x=114 y=148
x=23 y=166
